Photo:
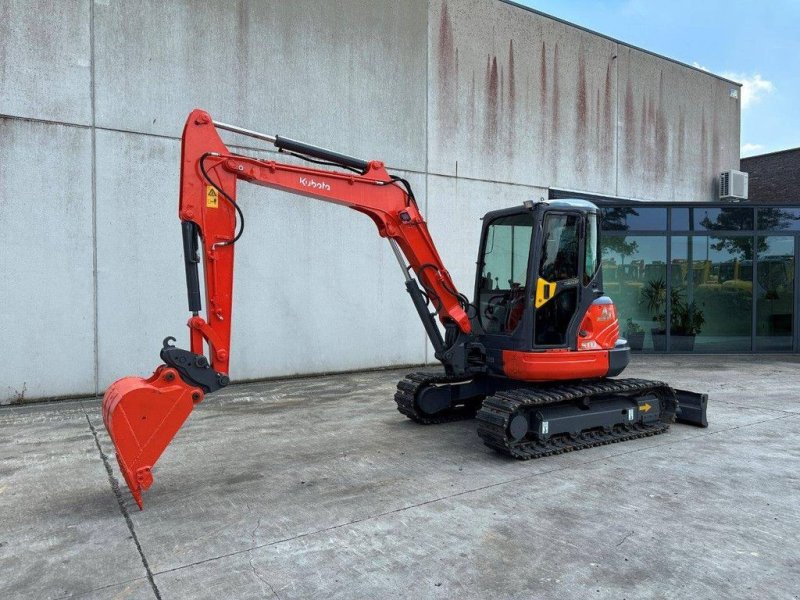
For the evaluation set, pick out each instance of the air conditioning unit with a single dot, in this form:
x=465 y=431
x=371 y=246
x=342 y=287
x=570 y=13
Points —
x=733 y=185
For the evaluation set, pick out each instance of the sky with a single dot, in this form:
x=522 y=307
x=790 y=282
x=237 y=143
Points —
x=756 y=43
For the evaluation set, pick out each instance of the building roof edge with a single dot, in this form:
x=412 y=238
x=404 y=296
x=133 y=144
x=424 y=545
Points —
x=616 y=41
x=785 y=150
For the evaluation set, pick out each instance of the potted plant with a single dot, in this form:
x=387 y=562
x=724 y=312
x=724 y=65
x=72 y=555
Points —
x=686 y=321
x=685 y=318
x=634 y=334
x=654 y=296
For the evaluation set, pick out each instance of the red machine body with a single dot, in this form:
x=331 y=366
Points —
x=143 y=415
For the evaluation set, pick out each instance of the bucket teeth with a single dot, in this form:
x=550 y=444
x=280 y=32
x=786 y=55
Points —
x=141 y=417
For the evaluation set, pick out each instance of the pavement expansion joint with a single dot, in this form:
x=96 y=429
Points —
x=122 y=508
x=99 y=589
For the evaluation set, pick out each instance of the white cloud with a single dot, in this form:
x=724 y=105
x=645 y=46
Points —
x=749 y=149
x=754 y=87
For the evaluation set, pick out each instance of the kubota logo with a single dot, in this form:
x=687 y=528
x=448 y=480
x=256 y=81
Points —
x=317 y=185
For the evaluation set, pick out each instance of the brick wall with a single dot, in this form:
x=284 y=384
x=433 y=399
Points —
x=774 y=177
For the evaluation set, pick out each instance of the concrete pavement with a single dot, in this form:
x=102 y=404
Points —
x=318 y=488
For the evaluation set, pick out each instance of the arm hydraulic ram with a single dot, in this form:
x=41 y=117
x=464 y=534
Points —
x=143 y=415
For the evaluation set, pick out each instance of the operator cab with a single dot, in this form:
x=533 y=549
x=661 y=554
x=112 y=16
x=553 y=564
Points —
x=538 y=274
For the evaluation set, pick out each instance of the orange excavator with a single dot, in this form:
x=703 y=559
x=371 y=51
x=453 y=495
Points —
x=532 y=358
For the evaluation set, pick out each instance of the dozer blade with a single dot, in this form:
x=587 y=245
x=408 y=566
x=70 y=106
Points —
x=691 y=408
x=142 y=416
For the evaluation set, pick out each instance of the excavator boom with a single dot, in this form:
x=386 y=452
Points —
x=143 y=415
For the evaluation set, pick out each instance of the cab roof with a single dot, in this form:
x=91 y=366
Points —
x=529 y=205
x=573 y=203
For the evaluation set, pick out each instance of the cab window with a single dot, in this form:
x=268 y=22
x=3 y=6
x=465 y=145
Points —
x=560 y=248
x=504 y=272
x=559 y=263
x=592 y=259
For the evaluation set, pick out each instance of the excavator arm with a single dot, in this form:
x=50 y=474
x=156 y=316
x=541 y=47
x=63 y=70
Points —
x=143 y=415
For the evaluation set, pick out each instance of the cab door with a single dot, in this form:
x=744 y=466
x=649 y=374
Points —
x=502 y=290
x=558 y=291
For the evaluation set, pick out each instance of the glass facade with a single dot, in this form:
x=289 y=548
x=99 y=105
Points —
x=711 y=298
x=635 y=270
x=775 y=294
x=704 y=278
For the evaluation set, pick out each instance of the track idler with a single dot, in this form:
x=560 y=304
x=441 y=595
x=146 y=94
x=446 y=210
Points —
x=142 y=416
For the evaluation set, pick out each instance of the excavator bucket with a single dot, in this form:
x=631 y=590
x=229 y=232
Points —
x=142 y=416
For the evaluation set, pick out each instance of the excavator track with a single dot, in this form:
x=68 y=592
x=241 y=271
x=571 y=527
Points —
x=410 y=386
x=494 y=418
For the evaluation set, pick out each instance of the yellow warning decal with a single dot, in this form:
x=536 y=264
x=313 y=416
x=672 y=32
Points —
x=645 y=407
x=212 y=197
x=544 y=291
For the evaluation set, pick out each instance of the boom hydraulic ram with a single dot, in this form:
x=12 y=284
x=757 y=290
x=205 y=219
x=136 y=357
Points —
x=143 y=415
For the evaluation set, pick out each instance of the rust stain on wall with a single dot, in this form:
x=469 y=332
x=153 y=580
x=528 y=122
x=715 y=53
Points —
x=512 y=89
x=599 y=131
x=648 y=138
x=643 y=149
x=446 y=44
x=510 y=118
x=543 y=77
x=599 y=135
x=492 y=83
x=715 y=155
x=703 y=141
x=681 y=136
x=526 y=103
x=651 y=131
x=555 y=122
x=661 y=134
x=243 y=50
x=447 y=68
x=608 y=106
x=4 y=18
x=630 y=128
x=502 y=88
x=581 y=107
x=471 y=103
x=542 y=96
x=455 y=82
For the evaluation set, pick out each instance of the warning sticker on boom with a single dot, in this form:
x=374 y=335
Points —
x=212 y=197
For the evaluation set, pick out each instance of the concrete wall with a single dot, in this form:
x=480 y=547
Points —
x=520 y=98
x=478 y=103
